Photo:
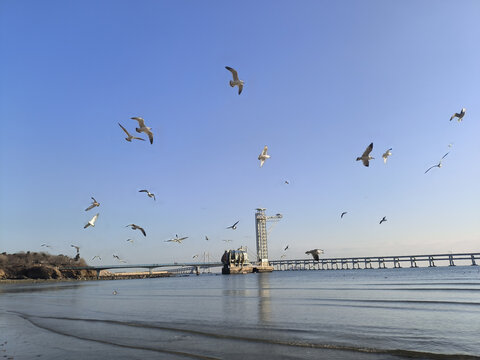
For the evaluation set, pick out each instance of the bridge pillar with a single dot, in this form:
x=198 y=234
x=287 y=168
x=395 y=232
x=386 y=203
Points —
x=381 y=263
x=450 y=260
x=473 y=261
x=344 y=262
x=98 y=274
x=430 y=261
x=355 y=264
x=333 y=262
x=396 y=263
x=413 y=262
x=368 y=264
x=150 y=271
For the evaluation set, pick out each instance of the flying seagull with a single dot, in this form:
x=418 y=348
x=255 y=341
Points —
x=136 y=227
x=195 y=256
x=459 y=116
x=315 y=253
x=283 y=256
x=130 y=240
x=206 y=238
x=91 y=222
x=177 y=239
x=227 y=240
x=118 y=258
x=439 y=165
x=383 y=220
x=366 y=155
x=234 y=226
x=130 y=137
x=143 y=128
x=46 y=245
x=236 y=80
x=286 y=182
x=150 y=195
x=286 y=248
x=386 y=154
x=96 y=257
x=263 y=156
x=343 y=213
x=114 y=292
x=94 y=203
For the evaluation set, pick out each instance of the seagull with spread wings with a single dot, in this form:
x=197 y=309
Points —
x=130 y=137
x=143 y=128
x=92 y=221
x=94 y=204
x=343 y=214
x=459 y=115
x=150 y=195
x=366 y=157
x=136 y=227
x=315 y=253
x=386 y=154
x=234 y=226
x=236 y=81
x=177 y=239
x=263 y=156
x=118 y=258
x=96 y=257
x=439 y=165
x=383 y=220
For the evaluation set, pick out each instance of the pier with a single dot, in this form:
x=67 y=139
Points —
x=376 y=262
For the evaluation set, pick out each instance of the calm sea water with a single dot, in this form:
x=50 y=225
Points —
x=431 y=313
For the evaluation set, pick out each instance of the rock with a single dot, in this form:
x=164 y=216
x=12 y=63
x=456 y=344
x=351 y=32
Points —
x=42 y=272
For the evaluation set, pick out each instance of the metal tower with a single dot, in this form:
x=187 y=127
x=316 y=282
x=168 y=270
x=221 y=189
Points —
x=261 y=228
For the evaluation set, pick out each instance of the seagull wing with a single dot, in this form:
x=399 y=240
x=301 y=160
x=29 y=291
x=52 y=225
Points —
x=137 y=138
x=150 y=135
x=183 y=238
x=143 y=191
x=240 y=88
x=126 y=132
x=142 y=230
x=234 y=73
x=365 y=161
x=265 y=149
x=140 y=120
x=90 y=207
x=367 y=151
x=262 y=161
x=236 y=223
x=431 y=167
x=445 y=155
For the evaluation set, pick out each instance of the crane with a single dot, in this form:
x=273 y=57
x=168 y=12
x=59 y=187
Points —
x=261 y=228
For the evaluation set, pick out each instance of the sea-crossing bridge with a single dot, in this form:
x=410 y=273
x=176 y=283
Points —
x=350 y=263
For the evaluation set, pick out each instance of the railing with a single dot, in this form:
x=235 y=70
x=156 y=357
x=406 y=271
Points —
x=379 y=262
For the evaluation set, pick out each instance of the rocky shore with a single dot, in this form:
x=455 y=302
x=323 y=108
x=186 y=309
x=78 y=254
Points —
x=41 y=266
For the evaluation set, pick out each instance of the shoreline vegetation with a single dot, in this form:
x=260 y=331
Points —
x=36 y=267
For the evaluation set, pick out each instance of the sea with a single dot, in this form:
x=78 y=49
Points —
x=420 y=313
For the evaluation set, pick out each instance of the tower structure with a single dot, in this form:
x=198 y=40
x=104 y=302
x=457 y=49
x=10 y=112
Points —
x=261 y=228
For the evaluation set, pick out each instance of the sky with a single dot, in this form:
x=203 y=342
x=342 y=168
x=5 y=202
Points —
x=323 y=79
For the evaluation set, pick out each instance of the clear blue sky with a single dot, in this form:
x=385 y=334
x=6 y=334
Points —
x=323 y=79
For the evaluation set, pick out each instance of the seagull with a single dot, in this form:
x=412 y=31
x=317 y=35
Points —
x=150 y=195
x=234 y=226
x=136 y=227
x=143 y=128
x=439 y=165
x=92 y=221
x=130 y=240
x=366 y=155
x=118 y=258
x=94 y=203
x=386 y=154
x=96 y=257
x=227 y=240
x=177 y=239
x=206 y=238
x=130 y=137
x=459 y=116
x=343 y=213
x=46 y=245
x=236 y=80
x=286 y=182
x=263 y=156
x=383 y=220
x=76 y=247
x=315 y=253
x=283 y=256
x=195 y=256
x=286 y=248
x=114 y=292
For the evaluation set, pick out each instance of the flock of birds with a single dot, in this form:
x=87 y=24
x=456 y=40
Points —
x=143 y=128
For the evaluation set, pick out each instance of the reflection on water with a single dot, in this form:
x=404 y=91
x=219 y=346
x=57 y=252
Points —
x=362 y=314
